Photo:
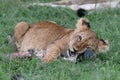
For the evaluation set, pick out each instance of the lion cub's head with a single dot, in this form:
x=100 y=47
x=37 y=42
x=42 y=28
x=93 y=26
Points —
x=83 y=38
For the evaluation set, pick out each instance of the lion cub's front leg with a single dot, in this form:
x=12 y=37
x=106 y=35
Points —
x=52 y=52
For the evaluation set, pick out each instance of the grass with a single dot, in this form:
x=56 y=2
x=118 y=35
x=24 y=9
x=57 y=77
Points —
x=105 y=23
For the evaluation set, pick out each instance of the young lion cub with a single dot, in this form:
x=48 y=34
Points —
x=54 y=40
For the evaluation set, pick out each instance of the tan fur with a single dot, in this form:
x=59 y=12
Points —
x=53 y=38
x=19 y=32
x=103 y=47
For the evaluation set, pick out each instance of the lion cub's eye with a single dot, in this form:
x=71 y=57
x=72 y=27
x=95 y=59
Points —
x=79 y=38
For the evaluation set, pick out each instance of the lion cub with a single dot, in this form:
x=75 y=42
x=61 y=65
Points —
x=52 y=40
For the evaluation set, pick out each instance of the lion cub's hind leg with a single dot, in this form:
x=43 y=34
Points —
x=20 y=29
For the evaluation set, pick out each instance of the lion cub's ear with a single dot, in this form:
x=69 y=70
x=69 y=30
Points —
x=83 y=24
x=103 y=46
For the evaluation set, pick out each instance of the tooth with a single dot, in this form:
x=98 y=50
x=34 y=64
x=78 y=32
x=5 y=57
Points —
x=69 y=52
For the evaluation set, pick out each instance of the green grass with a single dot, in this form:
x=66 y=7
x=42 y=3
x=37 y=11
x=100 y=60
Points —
x=105 y=23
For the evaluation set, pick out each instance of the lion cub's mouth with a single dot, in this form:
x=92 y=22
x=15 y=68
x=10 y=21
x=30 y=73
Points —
x=71 y=55
x=74 y=56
